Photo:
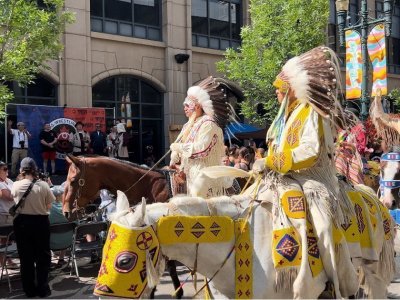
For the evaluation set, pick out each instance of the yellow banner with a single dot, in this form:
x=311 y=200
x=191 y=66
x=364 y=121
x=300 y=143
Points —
x=123 y=269
x=194 y=229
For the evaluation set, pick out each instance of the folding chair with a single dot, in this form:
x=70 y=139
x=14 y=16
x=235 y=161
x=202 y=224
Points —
x=82 y=246
x=61 y=237
x=8 y=251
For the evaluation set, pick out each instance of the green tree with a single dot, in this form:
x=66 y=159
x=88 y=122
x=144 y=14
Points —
x=394 y=96
x=279 y=29
x=30 y=34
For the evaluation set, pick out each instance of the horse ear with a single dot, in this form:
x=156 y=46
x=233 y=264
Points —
x=122 y=201
x=73 y=160
x=143 y=207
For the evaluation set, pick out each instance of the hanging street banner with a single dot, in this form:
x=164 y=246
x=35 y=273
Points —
x=62 y=122
x=353 y=65
x=377 y=54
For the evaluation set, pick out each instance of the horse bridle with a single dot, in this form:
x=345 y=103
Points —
x=389 y=184
x=81 y=184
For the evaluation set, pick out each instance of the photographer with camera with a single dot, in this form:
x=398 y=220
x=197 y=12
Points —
x=33 y=198
x=20 y=145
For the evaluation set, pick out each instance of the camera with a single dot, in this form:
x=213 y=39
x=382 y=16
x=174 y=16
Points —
x=22 y=144
x=43 y=176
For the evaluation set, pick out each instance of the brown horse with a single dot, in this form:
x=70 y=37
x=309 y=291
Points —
x=88 y=175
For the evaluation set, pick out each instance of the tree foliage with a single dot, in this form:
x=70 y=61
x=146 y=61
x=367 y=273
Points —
x=279 y=30
x=394 y=96
x=30 y=34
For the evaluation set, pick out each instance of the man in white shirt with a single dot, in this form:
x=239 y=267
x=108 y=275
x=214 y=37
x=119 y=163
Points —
x=20 y=145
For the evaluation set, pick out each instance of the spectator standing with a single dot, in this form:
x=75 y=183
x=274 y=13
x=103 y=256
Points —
x=98 y=141
x=111 y=137
x=20 y=145
x=233 y=155
x=6 y=201
x=32 y=229
x=150 y=159
x=48 y=139
x=121 y=143
x=244 y=159
x=80 y=140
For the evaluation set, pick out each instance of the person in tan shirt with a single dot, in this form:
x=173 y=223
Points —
x=32 y=229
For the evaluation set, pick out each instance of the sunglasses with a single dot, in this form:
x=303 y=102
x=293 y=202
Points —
x=5 y=169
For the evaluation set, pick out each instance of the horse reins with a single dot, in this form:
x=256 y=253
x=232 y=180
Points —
x=149 y=170
x=156 y=164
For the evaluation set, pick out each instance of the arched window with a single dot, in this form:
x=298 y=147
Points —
x=39 y=92
x=137 y=18
x=146 y=112
x=216 y=24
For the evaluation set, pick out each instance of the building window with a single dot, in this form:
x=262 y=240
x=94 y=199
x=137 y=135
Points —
x=216 y=24
x=393 y=42
x=146 y=112
x=137 y=18
x=39 y=92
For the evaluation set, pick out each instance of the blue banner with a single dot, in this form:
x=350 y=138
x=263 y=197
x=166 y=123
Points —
x=34 y=118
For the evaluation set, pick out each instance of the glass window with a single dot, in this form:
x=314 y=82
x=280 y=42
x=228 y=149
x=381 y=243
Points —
x=120 y=17
x=354 y=12
x=146 y=111
x=216 y=24
x=146 y=12
x=219 y=18
x=118 y=9
x=39 y=92
x=199 y=17
x=96 y=8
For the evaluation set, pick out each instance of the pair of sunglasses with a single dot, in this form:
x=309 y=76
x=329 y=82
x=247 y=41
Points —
x=5 y=169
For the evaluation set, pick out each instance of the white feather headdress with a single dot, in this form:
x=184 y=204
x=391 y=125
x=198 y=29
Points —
x=315 y=78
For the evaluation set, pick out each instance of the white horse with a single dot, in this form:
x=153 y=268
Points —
x=210 y=256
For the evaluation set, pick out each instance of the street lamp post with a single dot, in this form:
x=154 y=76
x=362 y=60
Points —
x=342 y=6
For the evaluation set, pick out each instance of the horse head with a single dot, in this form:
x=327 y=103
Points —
x=79 y=188
x=390 y=179
x=130 y=242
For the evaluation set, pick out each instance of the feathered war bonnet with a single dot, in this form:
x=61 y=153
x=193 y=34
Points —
x=314 y=78
x=386 y=125
x=211 y=94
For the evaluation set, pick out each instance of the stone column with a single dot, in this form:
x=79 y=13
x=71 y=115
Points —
x=75 y=67
x=177 y=30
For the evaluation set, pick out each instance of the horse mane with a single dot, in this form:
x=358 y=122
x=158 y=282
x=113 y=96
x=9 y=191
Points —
x=127 y=163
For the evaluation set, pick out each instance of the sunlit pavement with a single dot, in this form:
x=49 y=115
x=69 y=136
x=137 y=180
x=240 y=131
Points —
x=65 y=286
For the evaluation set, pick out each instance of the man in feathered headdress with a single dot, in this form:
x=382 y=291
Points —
x=309 y=206
x=201 y=142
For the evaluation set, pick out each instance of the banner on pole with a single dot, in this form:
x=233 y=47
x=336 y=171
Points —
x=353 y=65
x=377 y=54
x=62 y=122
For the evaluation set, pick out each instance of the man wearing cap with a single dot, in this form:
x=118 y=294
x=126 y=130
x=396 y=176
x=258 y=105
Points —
x=20 y=145
x=80 y=139
x=121 y=143
x=32 y=229
x=200 y=143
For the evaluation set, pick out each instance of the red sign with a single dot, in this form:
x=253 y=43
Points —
x=88 y=116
